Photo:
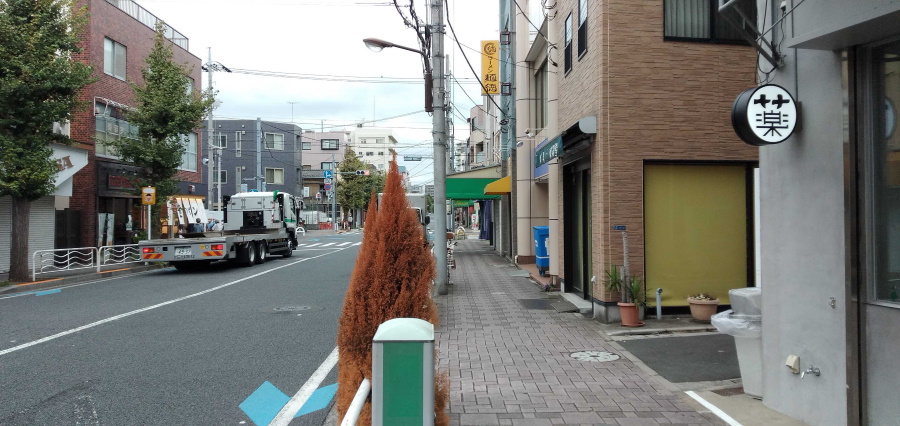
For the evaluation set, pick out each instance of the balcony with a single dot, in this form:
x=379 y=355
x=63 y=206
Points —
x=145 y=17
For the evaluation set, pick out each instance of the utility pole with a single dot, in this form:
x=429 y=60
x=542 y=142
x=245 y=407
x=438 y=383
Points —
x=209 y=139
x=336 y=173
x=440 y=134
x=260 y=179
x=299 y=153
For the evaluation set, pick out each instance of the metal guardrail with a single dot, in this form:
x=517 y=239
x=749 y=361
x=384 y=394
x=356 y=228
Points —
x=112 y=255
x=70 y=259
x=356 y=406
x=47 y=261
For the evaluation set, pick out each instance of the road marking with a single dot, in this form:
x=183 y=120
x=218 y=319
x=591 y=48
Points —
x=356 y=244
x=44 y=293
x=287 y=412
x=150 y=308
x=313 y=245
x=715 y=410
x=90 y=282
x=327 y=244
x=345 y=243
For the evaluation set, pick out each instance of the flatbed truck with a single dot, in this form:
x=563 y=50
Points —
x=256 y=225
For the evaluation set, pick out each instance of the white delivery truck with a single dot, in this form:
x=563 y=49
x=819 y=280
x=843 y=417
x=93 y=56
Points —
x=419 y=203
x=257 y=224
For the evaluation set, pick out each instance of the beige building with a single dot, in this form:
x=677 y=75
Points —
x=629 y=104
x=374 y=146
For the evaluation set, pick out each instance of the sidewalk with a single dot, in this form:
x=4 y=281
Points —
x=515 y=359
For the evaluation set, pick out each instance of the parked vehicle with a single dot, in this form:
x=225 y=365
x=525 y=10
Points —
x=256 y=224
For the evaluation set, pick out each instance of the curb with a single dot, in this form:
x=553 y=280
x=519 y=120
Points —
x=64 y=281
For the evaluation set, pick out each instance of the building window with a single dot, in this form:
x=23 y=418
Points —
x=223 y=176
x=379 y=140
x=540 y=96
x=362 y=140
x=582 y=27
x=699 y=20
x=306 y=146
x=330 y=144
x=114 y=59
x=189 y=156
x=274 y=176
x=381 y=167
x=329 y=166
x=237 y=143
x=222 y=141
x=567 y=50
x=880 y=183
x=369 y=153
x=380 y=152
x=275 y=141
x=307 y=167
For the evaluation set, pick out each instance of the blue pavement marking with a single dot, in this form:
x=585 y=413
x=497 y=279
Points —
x=267 y=400
x=264 y=403
x=318 y=400
x=44 y=293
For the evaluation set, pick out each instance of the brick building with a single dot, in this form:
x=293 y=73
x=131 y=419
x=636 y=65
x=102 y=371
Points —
x=118 y=37
x=634 y=101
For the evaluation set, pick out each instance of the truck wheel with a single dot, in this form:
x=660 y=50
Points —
x=262 y=252
x=249 y=254
x=290 y=249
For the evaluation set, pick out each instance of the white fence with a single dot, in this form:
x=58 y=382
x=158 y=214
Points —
x=71 y=259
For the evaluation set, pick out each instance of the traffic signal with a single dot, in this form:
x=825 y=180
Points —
x=362 y=172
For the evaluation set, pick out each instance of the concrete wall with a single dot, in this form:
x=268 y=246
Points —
x=803 y=250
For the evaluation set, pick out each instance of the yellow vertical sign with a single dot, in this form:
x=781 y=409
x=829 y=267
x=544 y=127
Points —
x=148 y=195
x=490 y=67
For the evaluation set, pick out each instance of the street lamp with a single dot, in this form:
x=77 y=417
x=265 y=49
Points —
x=433 y=87
x=211 y=67
x=377 y=45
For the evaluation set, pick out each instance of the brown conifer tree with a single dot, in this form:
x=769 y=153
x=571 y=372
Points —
x=392 y=279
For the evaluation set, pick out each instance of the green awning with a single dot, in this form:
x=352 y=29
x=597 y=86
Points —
x=468 y=189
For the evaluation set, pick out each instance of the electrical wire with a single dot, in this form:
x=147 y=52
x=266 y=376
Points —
x=455 y=38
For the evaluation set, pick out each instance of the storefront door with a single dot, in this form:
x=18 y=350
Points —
x=577 y=223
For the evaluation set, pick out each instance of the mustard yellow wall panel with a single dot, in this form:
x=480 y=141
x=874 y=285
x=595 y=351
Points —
x=695 y=224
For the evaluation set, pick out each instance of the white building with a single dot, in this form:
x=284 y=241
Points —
x=374 y=146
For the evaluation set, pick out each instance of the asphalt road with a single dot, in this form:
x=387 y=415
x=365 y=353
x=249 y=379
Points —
x=167 y=347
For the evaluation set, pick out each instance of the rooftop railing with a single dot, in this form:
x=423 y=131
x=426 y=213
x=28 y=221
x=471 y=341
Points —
x=145 y=17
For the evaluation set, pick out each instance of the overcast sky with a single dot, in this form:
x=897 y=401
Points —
x=324 y=37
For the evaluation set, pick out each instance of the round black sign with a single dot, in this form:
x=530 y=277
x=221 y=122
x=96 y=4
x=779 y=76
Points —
x=764 y=115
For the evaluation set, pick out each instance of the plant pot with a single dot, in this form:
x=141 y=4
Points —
x=703 y=310
x=630 y=315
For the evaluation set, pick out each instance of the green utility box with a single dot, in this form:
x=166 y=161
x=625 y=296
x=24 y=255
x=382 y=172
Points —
x=403 y=373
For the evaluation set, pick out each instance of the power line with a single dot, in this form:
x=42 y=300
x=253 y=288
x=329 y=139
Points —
x=466 y=58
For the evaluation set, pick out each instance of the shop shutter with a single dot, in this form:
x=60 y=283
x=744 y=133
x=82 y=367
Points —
x=41 y=229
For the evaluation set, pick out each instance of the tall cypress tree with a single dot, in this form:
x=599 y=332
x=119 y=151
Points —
x=40 y=84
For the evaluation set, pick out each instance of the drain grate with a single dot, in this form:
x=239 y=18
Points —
x=542 y=304
x=594 y=356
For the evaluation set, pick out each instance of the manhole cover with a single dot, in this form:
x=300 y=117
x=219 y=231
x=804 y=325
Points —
x=594 y=356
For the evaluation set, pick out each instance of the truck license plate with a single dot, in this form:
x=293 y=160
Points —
x=182 y=251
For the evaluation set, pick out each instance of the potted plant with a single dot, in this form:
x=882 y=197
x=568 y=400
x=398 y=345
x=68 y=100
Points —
x=628 y=308
x=635 y=298
x=703 y=306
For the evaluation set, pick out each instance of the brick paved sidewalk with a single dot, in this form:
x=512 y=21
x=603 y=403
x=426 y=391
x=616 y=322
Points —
x=510 y=365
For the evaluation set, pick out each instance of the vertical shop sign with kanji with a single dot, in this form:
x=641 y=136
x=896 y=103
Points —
x=764 y=115
x=490 y=67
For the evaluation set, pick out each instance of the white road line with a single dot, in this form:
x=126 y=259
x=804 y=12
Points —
x=715 y=410
x=150 y=308
x=356 y=244
x=287 y=412
x=86 y=283
x=327 y=244
x=344 y=243
x=313 y=244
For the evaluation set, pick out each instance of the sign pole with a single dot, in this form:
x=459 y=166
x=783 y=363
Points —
x=148 y=223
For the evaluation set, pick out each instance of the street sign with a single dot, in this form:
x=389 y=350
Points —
x=407 y=158
x=618 y=227
x=328 y=181
x=318 y=195
x=148 y=195
x=328 y=187
x=328 y=174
